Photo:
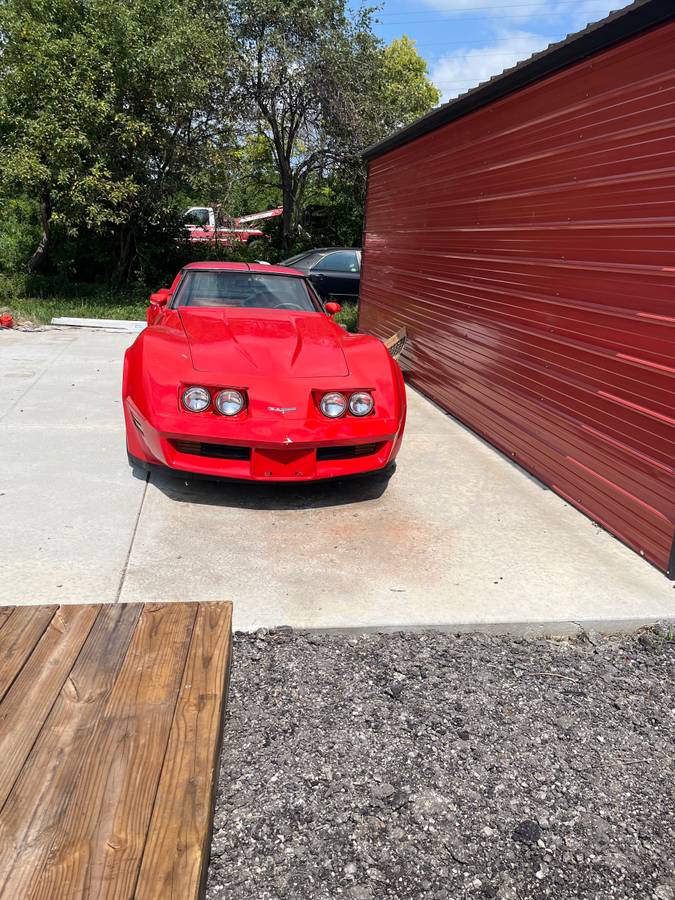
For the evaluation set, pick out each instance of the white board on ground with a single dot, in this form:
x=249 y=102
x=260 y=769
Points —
x=110 y=324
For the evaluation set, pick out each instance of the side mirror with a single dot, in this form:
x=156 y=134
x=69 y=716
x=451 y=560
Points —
x=157 y=301
x=333 y=308
x=160 y=297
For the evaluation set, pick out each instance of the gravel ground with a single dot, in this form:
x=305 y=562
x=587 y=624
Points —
x=439 y=766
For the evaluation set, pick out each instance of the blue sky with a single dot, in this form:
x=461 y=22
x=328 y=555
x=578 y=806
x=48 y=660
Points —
x=467 y=41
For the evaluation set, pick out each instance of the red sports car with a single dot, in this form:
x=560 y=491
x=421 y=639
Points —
x=242 y=373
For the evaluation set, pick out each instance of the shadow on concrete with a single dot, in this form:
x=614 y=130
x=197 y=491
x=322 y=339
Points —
x=252 y=495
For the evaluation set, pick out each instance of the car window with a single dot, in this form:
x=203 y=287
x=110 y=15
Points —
x=340 y=261
x=199 y=217
x=248 y=290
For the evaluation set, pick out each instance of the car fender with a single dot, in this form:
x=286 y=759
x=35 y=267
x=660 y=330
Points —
x=371 y=365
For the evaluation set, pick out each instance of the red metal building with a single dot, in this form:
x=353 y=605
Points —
x=525 y=235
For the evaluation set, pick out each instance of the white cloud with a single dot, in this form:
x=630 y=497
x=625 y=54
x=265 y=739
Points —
x=459 y=71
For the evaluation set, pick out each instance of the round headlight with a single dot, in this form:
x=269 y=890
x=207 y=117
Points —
x=229 y=403
x=333 y=405
x=196 y=399
x=360 y=403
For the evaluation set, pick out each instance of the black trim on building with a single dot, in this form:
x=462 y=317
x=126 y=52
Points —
x=618 y=26
x=670 y=571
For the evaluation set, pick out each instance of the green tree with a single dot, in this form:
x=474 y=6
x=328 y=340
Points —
x=313 y=87
x=107 y=109
x=299 y=74
x=406 y=93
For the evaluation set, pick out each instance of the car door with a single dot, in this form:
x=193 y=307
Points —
x=338 y=274
x=198 y=224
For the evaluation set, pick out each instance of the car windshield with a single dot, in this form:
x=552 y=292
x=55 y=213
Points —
x=247 y=290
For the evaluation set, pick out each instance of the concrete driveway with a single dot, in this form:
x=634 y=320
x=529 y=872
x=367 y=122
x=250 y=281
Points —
x=459 y=537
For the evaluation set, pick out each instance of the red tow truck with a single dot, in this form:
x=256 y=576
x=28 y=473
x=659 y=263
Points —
x=205 y=224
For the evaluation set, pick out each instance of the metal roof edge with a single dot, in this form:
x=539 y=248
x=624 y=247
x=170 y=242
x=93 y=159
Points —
x=616 y=27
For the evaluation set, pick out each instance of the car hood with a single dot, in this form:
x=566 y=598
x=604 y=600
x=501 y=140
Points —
x=276 y=343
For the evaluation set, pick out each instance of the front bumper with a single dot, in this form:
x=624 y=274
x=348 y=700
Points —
x=135 y=462
x=269 y=451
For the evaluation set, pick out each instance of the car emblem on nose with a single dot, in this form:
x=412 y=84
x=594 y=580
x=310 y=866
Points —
x=282 y=409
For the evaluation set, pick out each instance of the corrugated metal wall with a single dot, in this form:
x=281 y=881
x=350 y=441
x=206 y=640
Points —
x=529 y=247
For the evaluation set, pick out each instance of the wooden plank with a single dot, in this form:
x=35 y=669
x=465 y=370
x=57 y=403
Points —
x=36 y=805
x=97 y=851
x=22 y=631
x=5 y=613
x=33 y=692
x=396 y=342
x=109 y=746
x=175 y=861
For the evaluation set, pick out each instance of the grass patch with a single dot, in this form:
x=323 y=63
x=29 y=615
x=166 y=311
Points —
x=38 y=300
x=41 y=310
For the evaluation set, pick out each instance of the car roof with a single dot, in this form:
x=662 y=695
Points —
x=243 y=267
x=322 y=251
x=331 y=249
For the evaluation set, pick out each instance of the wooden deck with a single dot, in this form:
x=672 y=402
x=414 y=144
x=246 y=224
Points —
x=110 y=728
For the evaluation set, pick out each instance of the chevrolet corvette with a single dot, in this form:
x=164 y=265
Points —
x=242 y=373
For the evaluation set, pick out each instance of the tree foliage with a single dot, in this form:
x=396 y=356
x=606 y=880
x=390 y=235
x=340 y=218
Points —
x=295 y=86
x=104 y=107
x=405 y=90
x=115 y=116
x=317 y=86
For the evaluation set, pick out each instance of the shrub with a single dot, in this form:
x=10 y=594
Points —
x=348 y=316
x=19 y=233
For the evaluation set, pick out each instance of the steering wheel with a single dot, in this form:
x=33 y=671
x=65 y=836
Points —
x=289 y=306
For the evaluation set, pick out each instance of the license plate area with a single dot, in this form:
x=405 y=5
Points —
x=284 y=463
